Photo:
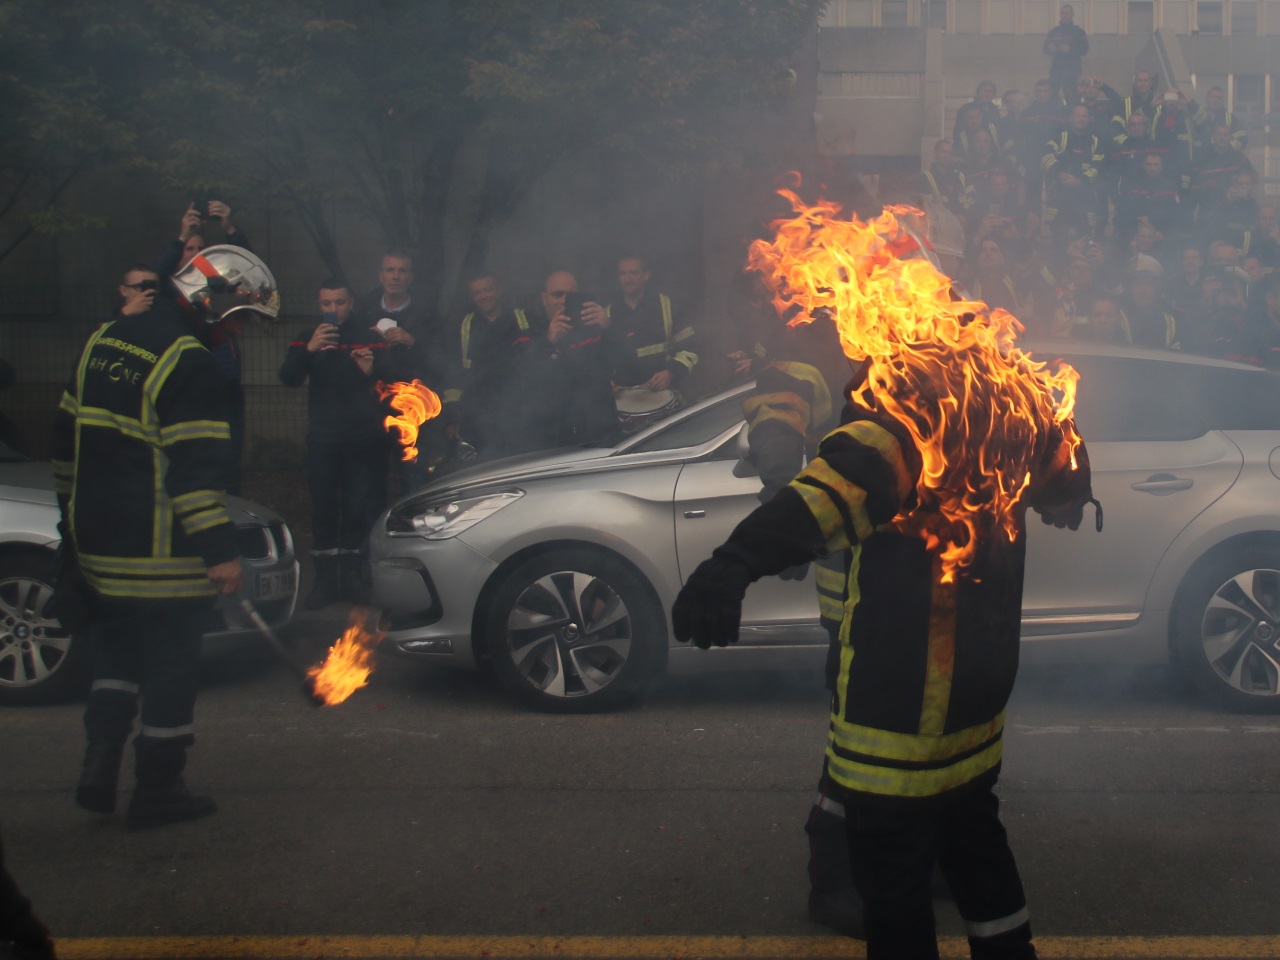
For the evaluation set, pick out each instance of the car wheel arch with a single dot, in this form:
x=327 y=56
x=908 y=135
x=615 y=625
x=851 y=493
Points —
x=1252 y=548
x=484 y=601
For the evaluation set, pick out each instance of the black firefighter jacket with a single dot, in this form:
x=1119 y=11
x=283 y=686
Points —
x=140 y=448
x=926 y=667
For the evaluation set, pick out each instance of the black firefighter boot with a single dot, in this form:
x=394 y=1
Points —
x=833 y=901
x=96 y=790
x=161 y=797
x=327 y=588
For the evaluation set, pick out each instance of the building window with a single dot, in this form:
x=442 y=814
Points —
x=936 y=11
x=1244 y=18
x=968 y=16
x=1249 y=94
x=893 y=13
x=1142 y=17
x=1209 y=16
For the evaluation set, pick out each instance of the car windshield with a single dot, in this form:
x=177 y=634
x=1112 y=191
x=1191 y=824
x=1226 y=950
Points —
x=697 y=428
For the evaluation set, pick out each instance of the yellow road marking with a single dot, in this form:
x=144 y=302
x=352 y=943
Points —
x=631 y=948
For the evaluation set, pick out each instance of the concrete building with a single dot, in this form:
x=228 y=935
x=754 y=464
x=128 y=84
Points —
x=894 y=71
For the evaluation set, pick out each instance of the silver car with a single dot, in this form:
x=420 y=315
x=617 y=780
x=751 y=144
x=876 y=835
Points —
x=39 y=660
x=560 y=569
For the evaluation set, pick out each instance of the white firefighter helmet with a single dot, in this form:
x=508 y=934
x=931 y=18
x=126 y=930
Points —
x=224 y=279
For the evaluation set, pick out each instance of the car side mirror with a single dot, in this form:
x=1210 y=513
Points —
x=745 y=467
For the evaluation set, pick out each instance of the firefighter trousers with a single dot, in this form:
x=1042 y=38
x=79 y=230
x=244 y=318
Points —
x=893 y=844
x=146 y=656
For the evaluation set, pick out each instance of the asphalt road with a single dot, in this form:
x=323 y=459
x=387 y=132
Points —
x=429 y=814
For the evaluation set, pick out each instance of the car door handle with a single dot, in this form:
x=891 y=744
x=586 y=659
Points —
x=694 y=514
x=1162 y=484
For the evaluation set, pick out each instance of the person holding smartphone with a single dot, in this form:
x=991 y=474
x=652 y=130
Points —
x=138 y=289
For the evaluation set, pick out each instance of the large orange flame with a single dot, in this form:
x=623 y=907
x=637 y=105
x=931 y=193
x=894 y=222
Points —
x=350 y=661
x=417 y=404
x=948 y=369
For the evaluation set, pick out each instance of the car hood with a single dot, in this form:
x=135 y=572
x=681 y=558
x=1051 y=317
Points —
x=32 y=482
x=546 y=463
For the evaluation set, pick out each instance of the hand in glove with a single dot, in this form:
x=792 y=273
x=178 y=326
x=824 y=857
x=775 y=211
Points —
x=709 y=607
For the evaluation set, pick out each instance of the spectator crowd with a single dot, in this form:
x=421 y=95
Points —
x=1130 y=217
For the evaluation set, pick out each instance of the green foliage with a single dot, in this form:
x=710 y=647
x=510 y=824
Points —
x=387 y=102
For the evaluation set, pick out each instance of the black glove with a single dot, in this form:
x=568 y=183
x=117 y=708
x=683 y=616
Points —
x=709 y=607
x=1071 y=518
x=798 y=572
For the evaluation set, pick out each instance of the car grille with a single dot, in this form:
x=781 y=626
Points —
x=255 y=542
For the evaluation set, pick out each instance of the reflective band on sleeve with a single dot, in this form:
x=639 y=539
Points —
x=167 y=733
x=830 y=806
x=124 y=686
x=993 y=928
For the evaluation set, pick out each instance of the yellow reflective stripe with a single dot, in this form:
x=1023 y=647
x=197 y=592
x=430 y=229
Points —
x=452 y=395
x=794 y=419
x=829 y=579
x=686 y=358
x=911 y=747
x=941 y=662
x=852 y=495
x=195 y=430
x=896 y=782
x=810 y=374
x=68 y=403
x=466 y=341
x=204 y=520
x=522 y=320
x=684 y=334
x=150 y=589
x=825 y=512
x=665 y=302
x=651 y=350
x=789 y=407
x=155 y=381
x=142 y=565
x=197 y=498
x=129 y=426
x=886 y=444
x=830 y=608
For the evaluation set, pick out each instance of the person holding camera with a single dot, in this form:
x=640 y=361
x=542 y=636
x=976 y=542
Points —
x=138 y=289
x=225 y=344
x=575 y=367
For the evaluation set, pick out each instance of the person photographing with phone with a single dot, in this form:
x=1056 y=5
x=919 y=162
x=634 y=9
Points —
x=347 y=442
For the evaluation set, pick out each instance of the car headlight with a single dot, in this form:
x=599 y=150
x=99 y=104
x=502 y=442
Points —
x=442 y=519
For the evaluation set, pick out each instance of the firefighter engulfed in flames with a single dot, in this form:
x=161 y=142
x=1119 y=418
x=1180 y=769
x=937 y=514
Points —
x=949 y=435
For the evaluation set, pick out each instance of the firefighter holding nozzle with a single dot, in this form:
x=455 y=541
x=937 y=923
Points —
x=951 y=434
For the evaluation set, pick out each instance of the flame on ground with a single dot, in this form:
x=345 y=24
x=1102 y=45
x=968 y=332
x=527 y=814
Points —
x=350 y=661
x=947 y=369
x=417 y=403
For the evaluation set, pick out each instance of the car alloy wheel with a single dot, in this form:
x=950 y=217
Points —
x=1227 y=631
x=573 y=631
x=39 y=659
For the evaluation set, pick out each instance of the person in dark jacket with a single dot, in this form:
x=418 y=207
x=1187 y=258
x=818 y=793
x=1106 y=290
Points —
x=1066 y=44
x=139 y=461
x=930 y=621
x=225 y=339
x=347 y=442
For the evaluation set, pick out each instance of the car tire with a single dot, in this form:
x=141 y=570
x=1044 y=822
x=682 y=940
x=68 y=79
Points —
x=574 y=631
x=1225 y=629
x=40 y=661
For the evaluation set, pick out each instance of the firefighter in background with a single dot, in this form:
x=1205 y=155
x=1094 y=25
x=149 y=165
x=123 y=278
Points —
x=140 y=447
x=931 y=604
x=798 y=393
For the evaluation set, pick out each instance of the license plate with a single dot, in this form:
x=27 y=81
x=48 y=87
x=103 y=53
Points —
x=269 y=586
